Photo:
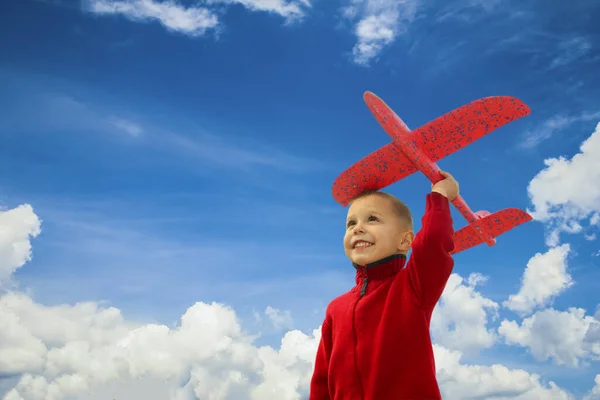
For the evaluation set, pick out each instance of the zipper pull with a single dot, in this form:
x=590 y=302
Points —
x=364 y=287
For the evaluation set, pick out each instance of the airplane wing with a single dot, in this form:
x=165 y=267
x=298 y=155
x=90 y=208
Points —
x=373 y=172
x=464 y=125
x=497 y=223
x=437 y=139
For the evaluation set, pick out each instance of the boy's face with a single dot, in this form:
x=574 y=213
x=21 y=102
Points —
x=374 y=231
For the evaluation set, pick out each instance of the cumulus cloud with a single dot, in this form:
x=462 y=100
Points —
x=459 y=321
x=594 y=393
x=72 y=350
x=17 y=227
x=476 y=382
x=89 y=348
x=377 y=24
x=565 y=193
x=545 y=277
x=566 y=337
x=193 y=20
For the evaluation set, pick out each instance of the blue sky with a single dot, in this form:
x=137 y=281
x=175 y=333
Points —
x=169 y=167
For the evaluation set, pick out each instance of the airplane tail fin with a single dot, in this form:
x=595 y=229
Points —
x=496 y=223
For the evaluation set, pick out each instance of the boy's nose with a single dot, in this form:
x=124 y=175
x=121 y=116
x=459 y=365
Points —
x=358 y=228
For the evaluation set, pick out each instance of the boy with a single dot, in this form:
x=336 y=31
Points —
x=375 y=342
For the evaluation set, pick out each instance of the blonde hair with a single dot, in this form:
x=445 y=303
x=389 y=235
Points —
x=401 y=209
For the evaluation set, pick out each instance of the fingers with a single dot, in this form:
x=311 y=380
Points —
x=447 y=175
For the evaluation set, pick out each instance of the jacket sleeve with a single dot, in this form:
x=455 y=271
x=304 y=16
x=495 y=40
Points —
x=319 y=388
x=431 y=263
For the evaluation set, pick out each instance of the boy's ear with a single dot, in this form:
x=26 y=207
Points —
x=406 y=241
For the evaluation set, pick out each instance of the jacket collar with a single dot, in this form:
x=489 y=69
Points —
x=381 y=269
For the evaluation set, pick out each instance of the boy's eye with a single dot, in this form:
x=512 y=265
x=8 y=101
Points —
x=349 y=224
x=372 y=218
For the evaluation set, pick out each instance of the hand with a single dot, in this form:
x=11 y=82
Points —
x=447 y=187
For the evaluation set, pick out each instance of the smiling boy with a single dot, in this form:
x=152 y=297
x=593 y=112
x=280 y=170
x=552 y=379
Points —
x=375 y=342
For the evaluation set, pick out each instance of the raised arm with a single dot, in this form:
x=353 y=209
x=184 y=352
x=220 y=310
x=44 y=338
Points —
x=319 y=388
x=430 y=263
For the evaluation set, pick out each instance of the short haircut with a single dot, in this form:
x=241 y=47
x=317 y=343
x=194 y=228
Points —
x=401 y=209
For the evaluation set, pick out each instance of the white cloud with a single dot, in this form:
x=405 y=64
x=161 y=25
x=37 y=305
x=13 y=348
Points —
x=590 y=237
x=544 y=278
x=280 y=320
x=459 y=321
x=17 y=226
x=90 y=351
x=71 y=350
x=594 y=393
x=379 y=23
x=565 y=193
x=194 y=20
x=290 y=10
x=566 y=337
x=476 y=382
x=93 y=349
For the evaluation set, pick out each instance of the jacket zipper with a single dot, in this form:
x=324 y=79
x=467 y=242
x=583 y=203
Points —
x=363 y=291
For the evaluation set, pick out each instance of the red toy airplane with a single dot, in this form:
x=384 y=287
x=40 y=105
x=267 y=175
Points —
x=418 y=150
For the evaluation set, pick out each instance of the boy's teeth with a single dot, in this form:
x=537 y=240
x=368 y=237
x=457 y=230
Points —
x=363 y=244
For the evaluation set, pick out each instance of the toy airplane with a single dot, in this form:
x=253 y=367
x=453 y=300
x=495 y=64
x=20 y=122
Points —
x=418 y=150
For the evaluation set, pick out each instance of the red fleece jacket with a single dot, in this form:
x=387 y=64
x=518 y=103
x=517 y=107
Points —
x=375 y=342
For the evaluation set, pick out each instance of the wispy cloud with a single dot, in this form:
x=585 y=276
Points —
x=547 y=50
x=215 y=151
x=34 y=105
x=519 y=29
x=61 y=110
x=570 y=50
x=193 y=21
x=290 y=10
x=126 y=126
x=553 y=125
x=467 y=10
x=279 y=319
x=377 y=24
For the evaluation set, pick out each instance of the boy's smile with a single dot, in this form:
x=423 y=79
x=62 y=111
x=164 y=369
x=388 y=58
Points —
x=360 y=244
x=362 y=247
x=374 y=230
